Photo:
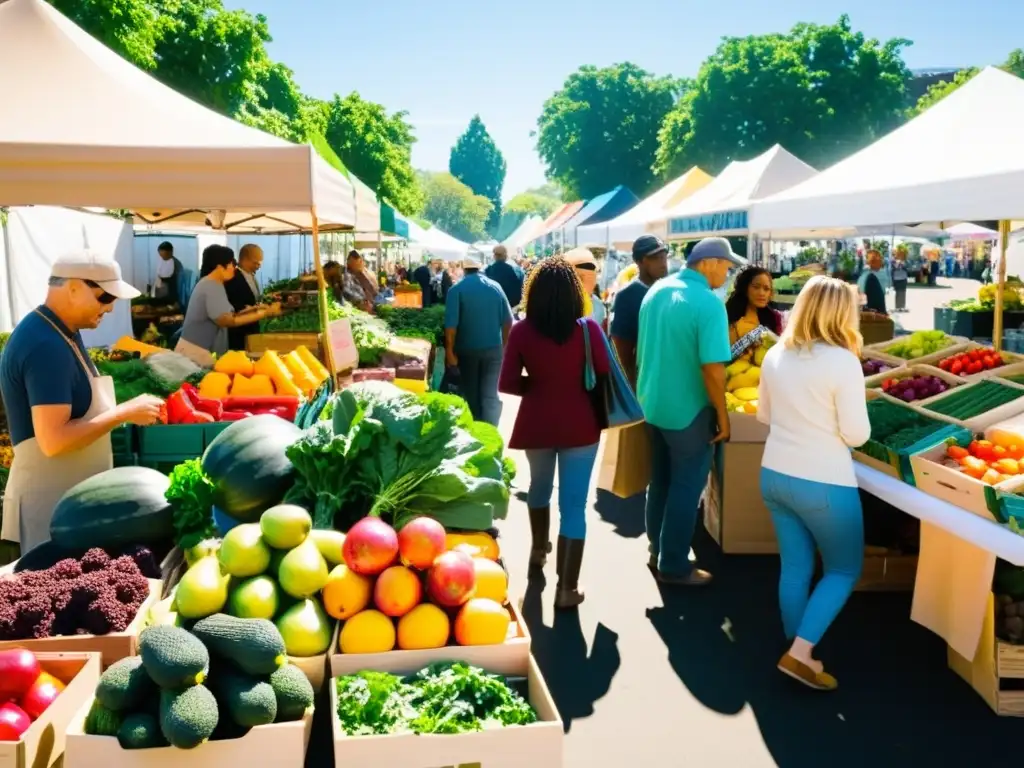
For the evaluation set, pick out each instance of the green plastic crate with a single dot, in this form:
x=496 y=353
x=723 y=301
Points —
x=165 y=441
x=210 y=431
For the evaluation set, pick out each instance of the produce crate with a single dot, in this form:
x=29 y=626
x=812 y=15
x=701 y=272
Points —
x=984 y=420
x=734 y=510
x=1011 y=358
x=166 y=442
x=515 y=650
x=908 y=371
x=964 y=491
x=890 y=360
x=123 y=439
x=884 y=346
x=42 y=745
x=942 y=354
x=112 y=647
x=258 y=343
x=995 y=663
x=281 y=745
x=315 y=667
x=745 y=428
x=412 y=299
x=539 y=745
x=876 y=330
x=210 y=431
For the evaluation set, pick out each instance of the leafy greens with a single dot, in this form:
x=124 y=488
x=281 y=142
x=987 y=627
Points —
x=191 y=497
x=392 y=454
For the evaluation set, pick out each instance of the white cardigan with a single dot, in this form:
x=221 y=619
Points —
x=813 y=401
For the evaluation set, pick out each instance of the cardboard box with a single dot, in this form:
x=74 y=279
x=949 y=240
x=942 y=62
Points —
x=995 y=661
x=112 y=647
x=315 y=667
x=516 y=648
x=539 y=745
x=281 y=745
x=1011 y=358
x=953 y=486
x=907 y=371
x=887 y=572
x=745 y=428
x=734 y=511
x=883 y=347
x=982 y=421
x=42 y=745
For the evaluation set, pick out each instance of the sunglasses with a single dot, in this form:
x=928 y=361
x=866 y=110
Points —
x=104 y=297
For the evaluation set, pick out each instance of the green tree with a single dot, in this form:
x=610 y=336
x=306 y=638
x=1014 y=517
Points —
x=477 y=162
x=601 y=129
x=1014 y=64
x=454 y=208
x=532 y=204
x=376 y=147
x=129 y=27
x=821 y=91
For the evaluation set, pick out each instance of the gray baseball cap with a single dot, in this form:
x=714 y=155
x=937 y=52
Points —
x=87 y=265
x=714 y=248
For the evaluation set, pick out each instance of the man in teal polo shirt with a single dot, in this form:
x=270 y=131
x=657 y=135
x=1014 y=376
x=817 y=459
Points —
x=682 y=351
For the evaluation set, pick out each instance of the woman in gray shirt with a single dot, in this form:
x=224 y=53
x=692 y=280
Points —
x=209 y=315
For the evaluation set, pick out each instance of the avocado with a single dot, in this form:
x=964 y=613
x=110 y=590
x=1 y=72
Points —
x=173 y=657
x=248 y=700
x=125 y=685
x=188 y=717
x=140 y=731
x=294 y=693
x=254 y=645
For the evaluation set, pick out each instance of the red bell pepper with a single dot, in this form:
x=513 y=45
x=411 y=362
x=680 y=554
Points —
x=181 y=410
x=234 y=415
x=204 y=404
x=286 y=406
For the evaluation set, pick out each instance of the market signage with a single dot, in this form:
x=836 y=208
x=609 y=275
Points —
x=725 y=221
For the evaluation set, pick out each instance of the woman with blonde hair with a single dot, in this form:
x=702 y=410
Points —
x=812 y=397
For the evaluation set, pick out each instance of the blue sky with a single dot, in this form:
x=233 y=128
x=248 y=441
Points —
x=444 y=61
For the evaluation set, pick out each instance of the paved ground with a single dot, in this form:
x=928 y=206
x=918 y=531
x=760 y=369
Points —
x=921 y=300
x=650 y=677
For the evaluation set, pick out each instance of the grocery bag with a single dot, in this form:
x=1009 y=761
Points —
x=625 y=467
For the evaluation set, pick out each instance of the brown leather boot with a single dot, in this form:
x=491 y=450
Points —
x=568 y=560
x=540 y=529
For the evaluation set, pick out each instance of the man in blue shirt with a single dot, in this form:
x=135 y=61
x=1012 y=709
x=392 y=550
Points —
x=508 y=276
x=477 y=321
x=650 y=255
x=683 y=349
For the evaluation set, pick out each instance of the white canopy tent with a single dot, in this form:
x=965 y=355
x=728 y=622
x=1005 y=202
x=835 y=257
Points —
x=721 y=208
x=961 y=160
x=433 y=243
x=649 y=215
x=527 y=225
x=967 y=231
x=80 y=126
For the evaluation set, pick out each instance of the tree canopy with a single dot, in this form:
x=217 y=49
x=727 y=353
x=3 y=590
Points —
x=1014 y=64
x=477 y=162
x=821 y=91
x=601 y=129
x=454 y=208
x=532 y=204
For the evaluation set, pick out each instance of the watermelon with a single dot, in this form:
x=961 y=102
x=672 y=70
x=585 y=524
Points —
x=248 y=466
x=124 y=505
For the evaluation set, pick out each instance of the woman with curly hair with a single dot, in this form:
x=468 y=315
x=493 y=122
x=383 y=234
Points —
x=557 y=424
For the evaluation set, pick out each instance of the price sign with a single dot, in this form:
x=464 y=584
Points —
x=343 y=346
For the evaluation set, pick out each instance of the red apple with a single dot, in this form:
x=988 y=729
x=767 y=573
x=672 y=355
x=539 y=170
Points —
x=18 y=670
x=13 y=722
x=41 y=695
x=420 y=542
x=371 y=545
x=451 y=580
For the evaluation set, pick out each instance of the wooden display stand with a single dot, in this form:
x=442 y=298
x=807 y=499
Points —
x=994 y=662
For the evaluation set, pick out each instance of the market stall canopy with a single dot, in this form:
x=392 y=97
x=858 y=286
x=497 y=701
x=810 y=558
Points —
x=80 y=126
x=646 y=216
x=367 y=208
x=559 y=217
x=437 y=244
x=392 y=222
x=721 y=208
x=968 y=231
x=961 y=160
x=519 y=235
x=599 y=209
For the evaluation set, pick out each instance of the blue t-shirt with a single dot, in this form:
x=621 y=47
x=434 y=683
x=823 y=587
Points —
x=478 y=310
x=38 y=367
x=510 y=278
x=683 y=326
x=626 y=311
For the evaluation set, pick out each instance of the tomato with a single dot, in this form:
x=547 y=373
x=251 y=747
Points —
x=956 y=368
x=974 y=354
x=982 y=449
x=944 y=364
x=957 y=452
x=998 y=452
x=974 y=467
x=1006 y=467
x=1015 y=452
x=975 y=367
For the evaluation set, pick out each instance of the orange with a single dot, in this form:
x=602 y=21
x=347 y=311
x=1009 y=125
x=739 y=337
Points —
x=346 y=592
x=425 y=626
x=367 y=632
x=397 y=592
x=482 y=622
x=491 y=581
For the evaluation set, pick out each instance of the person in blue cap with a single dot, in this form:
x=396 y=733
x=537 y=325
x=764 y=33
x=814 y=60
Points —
x=650 y=255
x=682 y=351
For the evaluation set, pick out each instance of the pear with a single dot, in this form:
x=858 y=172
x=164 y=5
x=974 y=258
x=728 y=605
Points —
x=329 y=543
x=303 y=571
x=203 y=590
x=243 y=552
x=285 y=526
x=306 y=629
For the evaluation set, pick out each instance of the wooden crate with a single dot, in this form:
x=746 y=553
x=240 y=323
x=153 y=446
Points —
x=283 y=343
x=42 y=745
x=994 y=662
x=412 y=298
x=112 y=647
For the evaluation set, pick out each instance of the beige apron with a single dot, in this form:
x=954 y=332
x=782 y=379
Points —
x=37 y=481
x=201 y=357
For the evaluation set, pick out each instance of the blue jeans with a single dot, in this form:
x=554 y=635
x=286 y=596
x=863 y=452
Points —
x=575 y=466
x=680 y=463
x=478 y=377
x=807 y=516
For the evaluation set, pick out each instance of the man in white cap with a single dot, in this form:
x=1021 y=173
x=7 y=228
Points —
x=682 y=351
x=59 y=409
x=477 y=321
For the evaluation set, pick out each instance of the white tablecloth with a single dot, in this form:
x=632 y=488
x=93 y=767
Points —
x=956 y=561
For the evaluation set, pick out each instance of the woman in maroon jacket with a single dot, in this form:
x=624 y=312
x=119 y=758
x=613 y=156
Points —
x=557 y=424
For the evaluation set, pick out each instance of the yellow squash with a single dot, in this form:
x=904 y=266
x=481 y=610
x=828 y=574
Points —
x=300 y=372
x=216 y=385
x=234 y=362
x=271 y=365
x=317 y=368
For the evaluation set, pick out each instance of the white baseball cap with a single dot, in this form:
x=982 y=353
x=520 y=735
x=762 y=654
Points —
x=91 y=266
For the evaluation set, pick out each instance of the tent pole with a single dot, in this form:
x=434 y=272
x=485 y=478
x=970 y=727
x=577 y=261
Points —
x=997 y=326
x=321 y=287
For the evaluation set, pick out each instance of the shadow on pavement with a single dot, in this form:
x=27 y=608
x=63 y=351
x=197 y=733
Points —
x=898 y=704
x=576 y=678
x=627 y=515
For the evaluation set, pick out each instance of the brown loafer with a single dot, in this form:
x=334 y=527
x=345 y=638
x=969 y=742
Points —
x=819 y=681
x=697 y=577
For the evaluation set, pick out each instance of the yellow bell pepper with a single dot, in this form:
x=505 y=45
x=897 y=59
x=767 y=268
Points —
x=301 y=374
x=240 y=386
x=215 y=385
x=234 y=362
x=271 y=365
x=317 y=368
x=260 y=384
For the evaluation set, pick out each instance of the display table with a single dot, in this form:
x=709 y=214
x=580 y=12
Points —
x=956 y=561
